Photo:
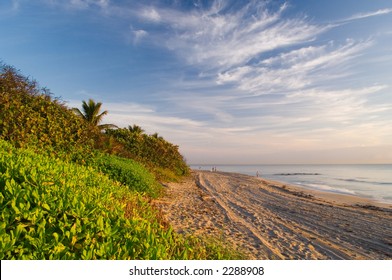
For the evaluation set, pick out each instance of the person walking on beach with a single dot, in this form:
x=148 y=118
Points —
x=257 y=174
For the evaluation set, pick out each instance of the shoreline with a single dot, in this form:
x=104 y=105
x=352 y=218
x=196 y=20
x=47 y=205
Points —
x=333 y=194
x=266 y=219
x=332 y=197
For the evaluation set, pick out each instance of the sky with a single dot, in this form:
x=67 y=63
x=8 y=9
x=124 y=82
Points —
x=230 y=82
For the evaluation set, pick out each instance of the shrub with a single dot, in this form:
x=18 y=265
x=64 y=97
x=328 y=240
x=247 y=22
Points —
x=30 y=117
x=153 y=151
x=50 y=209
x=130 y=173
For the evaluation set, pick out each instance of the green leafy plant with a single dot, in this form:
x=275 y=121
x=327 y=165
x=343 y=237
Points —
x=29 y=116
x=130 y=173
x=159 y=155
x=51 y=209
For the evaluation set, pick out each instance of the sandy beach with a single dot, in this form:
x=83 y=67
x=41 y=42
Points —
x=269 y=220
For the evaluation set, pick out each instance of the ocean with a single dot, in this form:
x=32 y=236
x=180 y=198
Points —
x=373 y=181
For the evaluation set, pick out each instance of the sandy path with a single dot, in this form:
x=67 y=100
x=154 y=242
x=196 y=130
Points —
x=267 y=220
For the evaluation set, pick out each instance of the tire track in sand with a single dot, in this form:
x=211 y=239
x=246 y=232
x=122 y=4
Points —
x=279 y=239
x=272 y=221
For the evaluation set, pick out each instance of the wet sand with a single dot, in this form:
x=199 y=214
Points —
x=269 y=220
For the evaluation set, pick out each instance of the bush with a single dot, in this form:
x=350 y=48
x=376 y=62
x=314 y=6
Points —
x=159 y=155
x=51 y=209
x=30 y=117
x=130 y=173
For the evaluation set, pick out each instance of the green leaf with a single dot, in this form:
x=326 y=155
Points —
x=100 y=222
x=13 y=205
x=45 y=206
x=56 y=237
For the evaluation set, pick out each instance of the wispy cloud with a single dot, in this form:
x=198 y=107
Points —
x=368 y=14
x=297 y=69
x=150 y=14
x=138 y=35
x=245 y=48
x=218 y=39
x=147 y=117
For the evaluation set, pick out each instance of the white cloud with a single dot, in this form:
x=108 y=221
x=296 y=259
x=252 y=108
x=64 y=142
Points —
x=369 y=14
x=217 y=39
x=138 y=35
x=150 y=14
x=147 y=117
x=294 y=70
x=134 y=108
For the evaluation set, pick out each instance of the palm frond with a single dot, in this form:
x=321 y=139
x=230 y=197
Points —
x=91 y=113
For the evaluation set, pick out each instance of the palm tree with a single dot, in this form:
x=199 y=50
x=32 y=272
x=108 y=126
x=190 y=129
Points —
x=136 y=129
x=156 y=136
x=91 y=113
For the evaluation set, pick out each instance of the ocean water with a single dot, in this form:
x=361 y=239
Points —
x=373 y=181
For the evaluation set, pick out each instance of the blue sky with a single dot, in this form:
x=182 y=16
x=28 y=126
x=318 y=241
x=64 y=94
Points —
x=228 y=81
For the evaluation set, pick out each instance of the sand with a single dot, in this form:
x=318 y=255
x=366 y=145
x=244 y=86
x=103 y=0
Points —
x=269 y=220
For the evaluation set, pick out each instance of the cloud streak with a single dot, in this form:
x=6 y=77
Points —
x=369 y=14
x=217 y=39
x=297 y=69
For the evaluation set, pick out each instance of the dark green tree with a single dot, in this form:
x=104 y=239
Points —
x=135 y=129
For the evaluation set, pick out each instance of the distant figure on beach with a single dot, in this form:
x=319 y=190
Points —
x=257 y=174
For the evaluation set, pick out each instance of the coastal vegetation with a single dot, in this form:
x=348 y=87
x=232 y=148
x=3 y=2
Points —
x=162 y=157
x=73 y=188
